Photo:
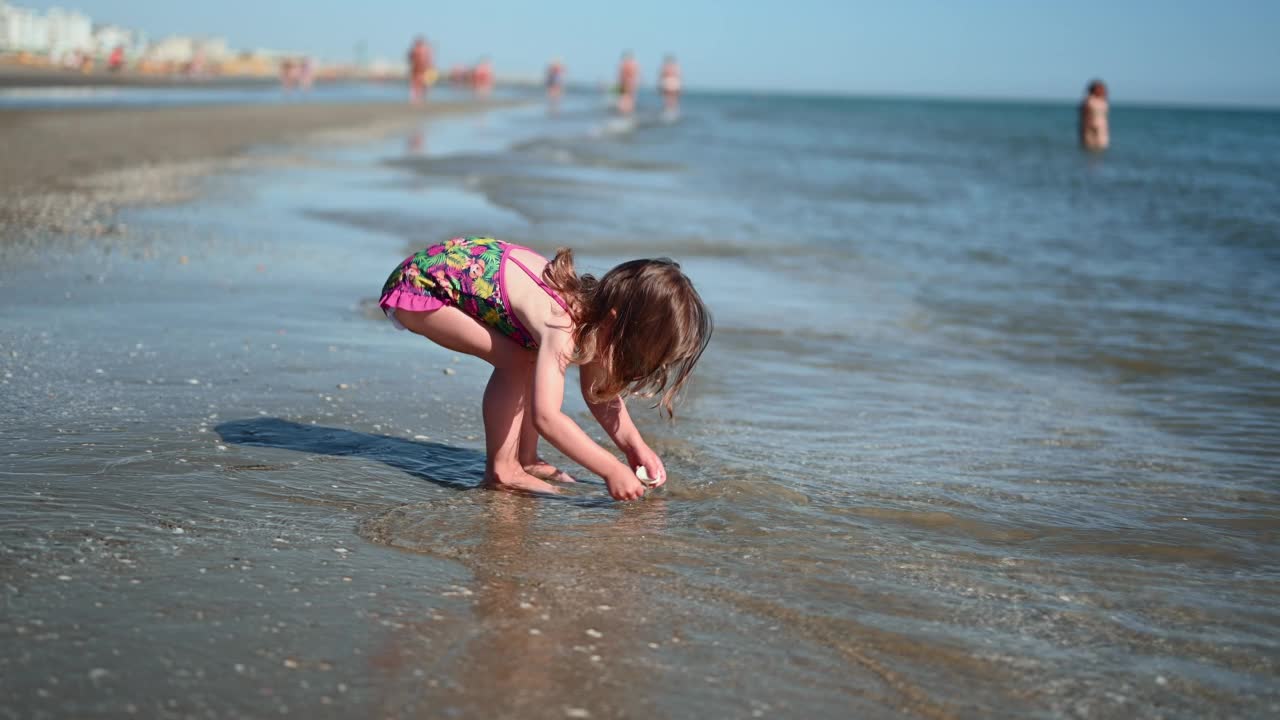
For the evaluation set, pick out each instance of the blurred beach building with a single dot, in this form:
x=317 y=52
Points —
x=108 y=37
x=22 y=30
x=190 y=54
x=69 y=38
x=69 y=31
x=58 y=33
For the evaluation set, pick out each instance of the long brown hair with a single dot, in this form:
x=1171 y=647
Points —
x=643 y=323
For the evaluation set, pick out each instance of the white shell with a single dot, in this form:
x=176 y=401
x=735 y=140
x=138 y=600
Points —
x=644 y=476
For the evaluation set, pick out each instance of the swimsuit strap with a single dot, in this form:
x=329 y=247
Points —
x=537 y=279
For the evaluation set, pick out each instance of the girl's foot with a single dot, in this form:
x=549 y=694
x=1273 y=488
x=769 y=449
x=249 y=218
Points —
x=545 y=470
x=518 y=480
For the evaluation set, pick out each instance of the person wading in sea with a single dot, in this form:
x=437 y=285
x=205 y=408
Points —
x=1094 y=134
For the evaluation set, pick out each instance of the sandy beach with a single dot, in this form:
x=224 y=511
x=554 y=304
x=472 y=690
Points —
x=54 y=148
x=65 y=169
x=18 y=75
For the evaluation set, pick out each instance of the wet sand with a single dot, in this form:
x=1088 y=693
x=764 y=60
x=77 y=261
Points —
x=65 y=170
x=231 y=489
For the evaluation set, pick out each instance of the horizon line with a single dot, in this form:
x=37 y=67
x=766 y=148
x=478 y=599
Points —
x=1137 y=101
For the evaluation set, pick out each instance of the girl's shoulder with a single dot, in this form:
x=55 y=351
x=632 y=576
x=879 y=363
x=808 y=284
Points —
x=531 y=259
x=533 y=298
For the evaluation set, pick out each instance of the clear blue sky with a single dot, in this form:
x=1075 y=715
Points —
x=1183 y=51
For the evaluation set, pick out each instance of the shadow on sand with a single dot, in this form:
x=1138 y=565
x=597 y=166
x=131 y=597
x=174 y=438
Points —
x=444 y=465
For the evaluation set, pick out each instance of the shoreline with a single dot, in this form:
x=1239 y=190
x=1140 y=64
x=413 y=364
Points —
x=66 y=170
x=30 y=76
x=14 y=75
x=43 y=147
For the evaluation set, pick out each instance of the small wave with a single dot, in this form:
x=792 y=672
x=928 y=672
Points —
x=749 y=334
x=616 y=126
x=445 y=527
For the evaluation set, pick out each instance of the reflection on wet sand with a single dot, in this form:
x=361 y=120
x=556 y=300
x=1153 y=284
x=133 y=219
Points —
x=416 y=143
x=576 y=603
x=557 y=622
x=560 y=611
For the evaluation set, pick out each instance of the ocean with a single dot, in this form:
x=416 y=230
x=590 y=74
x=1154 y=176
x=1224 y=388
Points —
x=989 y=427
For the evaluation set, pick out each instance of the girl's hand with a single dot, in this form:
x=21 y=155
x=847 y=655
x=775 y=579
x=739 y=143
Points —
x=642 y=456
x=624 y=486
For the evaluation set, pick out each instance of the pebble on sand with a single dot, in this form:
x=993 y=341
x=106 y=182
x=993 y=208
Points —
x=594 y=633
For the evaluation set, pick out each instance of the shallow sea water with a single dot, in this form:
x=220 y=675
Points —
x=987 y=429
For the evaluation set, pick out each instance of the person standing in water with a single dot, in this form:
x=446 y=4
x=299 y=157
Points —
x=288 y=74
x=482 y=77
x=420 y=69
x=306 y=73
x=1094 y=133
x=628 y=83
x=669 y=84
x=555 y=83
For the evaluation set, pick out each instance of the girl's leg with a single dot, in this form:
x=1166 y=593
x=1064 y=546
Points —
x=528 y=454
x=506 y=397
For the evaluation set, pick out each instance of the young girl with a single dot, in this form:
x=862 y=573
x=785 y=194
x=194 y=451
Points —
x=639 y=329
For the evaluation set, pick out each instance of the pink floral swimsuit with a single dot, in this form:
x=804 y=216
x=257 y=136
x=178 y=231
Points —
x=466 y=273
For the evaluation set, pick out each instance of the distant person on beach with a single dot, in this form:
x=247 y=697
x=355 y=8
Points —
x=628 y=83
x=197 y=65
x=1094 y=133
x=482 y=77
x=555 y=82
x=669 y=84
x=306 y=73
x=288 y=74
x=115 y=62
x=638 y=330
x=421 y=69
